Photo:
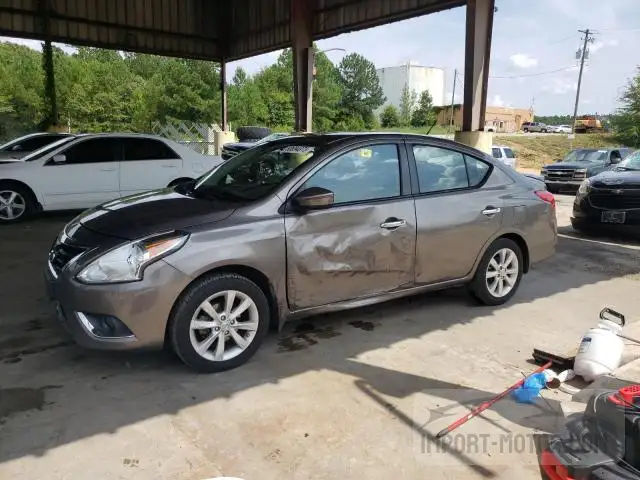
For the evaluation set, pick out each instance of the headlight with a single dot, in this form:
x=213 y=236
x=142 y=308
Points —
x=585 y=187
x=580 y=170
x=127 y=262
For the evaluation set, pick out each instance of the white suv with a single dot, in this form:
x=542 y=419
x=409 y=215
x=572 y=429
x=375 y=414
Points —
x=505 y=155
x=82 y=171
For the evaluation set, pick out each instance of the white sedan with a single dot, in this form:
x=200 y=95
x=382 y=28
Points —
x=82 y=171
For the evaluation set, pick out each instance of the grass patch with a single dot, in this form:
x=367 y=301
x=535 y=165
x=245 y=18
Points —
x=534 y=152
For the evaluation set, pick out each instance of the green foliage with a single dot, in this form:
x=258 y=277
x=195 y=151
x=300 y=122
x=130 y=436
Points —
x=407 y=104
x=626 y=121
x=424 y=114
x=555 y=119
x=103 y=90
x=390 y=118
x=361 y=90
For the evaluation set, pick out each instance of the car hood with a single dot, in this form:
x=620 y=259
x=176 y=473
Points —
x=153 y=212
x=239 y=145
x=9 y=157
x=629 y=179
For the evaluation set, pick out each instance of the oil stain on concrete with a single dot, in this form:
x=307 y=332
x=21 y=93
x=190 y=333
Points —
x=305 y=335
x=14 y=400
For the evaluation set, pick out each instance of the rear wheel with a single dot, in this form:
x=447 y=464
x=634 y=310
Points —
x=526 y=130
x=499 y=274
x=16 y=203
x=219 y=323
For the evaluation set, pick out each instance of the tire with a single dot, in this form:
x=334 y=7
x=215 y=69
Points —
x=544 y=130
x=22 y=206
x=211 y=290
x=479 y=287
x=526 y=130
x=248 y=134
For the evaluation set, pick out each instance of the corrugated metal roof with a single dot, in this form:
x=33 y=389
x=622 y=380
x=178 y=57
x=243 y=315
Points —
x=207 y=29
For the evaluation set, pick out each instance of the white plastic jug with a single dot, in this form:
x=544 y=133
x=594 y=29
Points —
x=600 y=350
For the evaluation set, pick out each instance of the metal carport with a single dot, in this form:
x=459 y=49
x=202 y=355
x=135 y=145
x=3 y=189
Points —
x=224 y=30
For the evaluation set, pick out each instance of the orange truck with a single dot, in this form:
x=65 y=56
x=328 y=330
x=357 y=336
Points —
x=587 y=124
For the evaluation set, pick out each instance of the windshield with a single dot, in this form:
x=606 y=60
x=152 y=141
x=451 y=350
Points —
x=632 y=162
x=254 y=173
x=46 y=149
x=586 y=156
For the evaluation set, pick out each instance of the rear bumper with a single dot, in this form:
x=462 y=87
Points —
x=586 y=216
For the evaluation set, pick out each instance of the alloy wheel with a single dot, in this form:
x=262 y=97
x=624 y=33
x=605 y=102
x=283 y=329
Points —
x=502 y=272
x=224 y=325
x=12 y=205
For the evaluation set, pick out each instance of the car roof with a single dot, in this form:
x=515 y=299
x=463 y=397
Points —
x=120 y=135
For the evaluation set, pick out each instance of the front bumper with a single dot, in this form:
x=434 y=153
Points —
x=586 y=216
x=564 y=184
x=143 y=307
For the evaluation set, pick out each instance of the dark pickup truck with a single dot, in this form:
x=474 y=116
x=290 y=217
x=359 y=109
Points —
x=569 y=173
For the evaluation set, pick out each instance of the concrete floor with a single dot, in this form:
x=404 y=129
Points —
x=348 y=395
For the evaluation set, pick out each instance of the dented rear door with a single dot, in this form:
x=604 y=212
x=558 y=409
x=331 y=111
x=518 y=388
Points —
x=365 y=243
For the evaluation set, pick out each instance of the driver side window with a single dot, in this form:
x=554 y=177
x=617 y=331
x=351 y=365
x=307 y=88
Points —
x=365 y=173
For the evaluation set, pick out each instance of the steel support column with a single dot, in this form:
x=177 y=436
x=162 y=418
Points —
x=224 y=116
x=301 y=25
x=479 y=29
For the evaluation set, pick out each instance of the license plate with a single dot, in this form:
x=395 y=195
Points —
x=613 y=217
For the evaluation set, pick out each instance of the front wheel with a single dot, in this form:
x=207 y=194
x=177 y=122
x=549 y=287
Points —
x=219 y=322
x=498 y=276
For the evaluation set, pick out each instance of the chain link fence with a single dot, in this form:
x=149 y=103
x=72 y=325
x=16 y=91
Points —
x=197 y=136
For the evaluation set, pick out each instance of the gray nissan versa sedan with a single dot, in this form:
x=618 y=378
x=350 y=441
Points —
x=294 y=227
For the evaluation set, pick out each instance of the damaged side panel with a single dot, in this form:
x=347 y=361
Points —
x=344 y=253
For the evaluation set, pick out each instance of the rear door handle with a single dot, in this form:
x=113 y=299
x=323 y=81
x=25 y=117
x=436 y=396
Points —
x=108 y=169
x=169 y=166
x=392 y=224
x=490 y=211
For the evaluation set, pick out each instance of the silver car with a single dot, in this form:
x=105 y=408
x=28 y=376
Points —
x=290 y=228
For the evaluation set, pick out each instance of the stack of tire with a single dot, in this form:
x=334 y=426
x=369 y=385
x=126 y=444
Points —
x=252 y=134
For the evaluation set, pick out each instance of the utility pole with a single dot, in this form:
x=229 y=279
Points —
x=583 y=54
x=453 y=96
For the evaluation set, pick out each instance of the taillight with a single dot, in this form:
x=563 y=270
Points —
x=546 y=196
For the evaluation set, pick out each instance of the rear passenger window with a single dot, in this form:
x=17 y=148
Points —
x=147 y=149
x=441 y=170
x=496 y=153
x=509 y=153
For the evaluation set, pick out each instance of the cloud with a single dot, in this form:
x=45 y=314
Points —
x=597 y=45
x=522 y=60
x=497 y=101
x=560 y=86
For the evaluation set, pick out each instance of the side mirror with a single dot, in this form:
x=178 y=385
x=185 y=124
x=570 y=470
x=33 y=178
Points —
x=559 y=160
x=314 y=198
x=16 y=148
x=59 y=158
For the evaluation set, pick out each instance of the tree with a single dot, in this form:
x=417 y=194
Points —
x=424 y=113
x=626 y=121
x=407 y=103
x=361 y=90
x=389 y=118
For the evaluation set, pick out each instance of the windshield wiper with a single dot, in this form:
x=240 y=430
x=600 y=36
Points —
x=626 y=169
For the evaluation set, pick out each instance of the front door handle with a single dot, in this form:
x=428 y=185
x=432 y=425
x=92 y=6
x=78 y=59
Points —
x=108 y=169
x=393 y=223
x=169 y=166
x=489 y=211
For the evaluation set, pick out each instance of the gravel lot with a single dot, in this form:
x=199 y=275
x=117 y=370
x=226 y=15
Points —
x=348 y=395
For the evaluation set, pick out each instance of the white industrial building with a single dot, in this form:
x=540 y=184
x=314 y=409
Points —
x=416 y=77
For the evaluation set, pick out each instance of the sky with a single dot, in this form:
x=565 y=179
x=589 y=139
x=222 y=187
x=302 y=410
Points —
x=533 y=57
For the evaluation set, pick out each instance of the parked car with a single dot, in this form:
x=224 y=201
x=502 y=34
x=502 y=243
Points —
x=534 y=127
x=505 y=155
x=232 y=149
x=22 y=146
x=559 y=128
x=610 y=199
x=293 y=227
x=81 y=171
x=581 y=163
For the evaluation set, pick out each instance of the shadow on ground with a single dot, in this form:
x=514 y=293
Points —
x=98 y=388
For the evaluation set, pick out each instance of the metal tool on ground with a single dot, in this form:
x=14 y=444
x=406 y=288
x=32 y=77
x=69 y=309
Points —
x=484 y=405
